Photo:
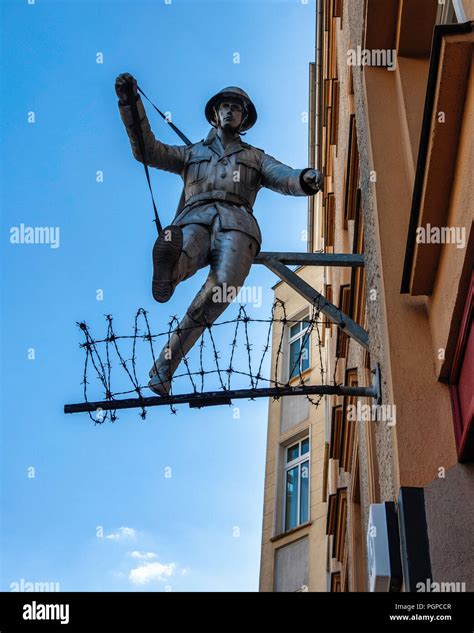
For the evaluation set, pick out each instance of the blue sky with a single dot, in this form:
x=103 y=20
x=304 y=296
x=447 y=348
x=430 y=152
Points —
x=102 y=512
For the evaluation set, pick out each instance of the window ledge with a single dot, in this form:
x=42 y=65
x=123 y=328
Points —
x=290 y=532
x=304 y=374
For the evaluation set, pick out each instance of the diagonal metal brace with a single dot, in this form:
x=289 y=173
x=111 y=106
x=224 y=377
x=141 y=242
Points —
x=350 y=327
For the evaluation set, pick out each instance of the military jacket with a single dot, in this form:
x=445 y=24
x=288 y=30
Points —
x=217 y=179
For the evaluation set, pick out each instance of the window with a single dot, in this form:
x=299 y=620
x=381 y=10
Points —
x=447 y=13
x=328 y=296
x=296 y=484
x=352 y=173
x=336 y=582
x=348 y=426
x=342 y=341
x=336 y=432
x=329 y=211
x=337 y=8
x=299 y=348
x=334 y=128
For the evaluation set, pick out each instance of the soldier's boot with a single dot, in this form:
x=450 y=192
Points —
x=166 y=253
x=160 y=381
x=203 y=312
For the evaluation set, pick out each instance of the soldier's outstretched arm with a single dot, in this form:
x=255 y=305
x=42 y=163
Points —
x=288 y=181
x=158 y=154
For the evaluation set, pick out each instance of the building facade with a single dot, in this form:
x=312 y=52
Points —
x=294 y=518
x=391 y=127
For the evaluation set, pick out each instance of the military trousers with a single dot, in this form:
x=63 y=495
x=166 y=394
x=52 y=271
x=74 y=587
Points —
x=229 y=255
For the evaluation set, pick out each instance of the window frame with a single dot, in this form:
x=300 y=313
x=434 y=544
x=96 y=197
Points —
x=305 y=315
x=342 y=339
x=289 y=465
x=450 y=12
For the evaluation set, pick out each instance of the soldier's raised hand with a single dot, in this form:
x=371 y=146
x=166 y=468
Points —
x=125 y=83
x=314 y=179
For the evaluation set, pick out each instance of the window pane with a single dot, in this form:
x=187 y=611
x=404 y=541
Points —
x=291 y=518
x=294 y=354
x=305 y=353
x=293 y=452
x=295 y=329
x=305 y=446
x=304 y=501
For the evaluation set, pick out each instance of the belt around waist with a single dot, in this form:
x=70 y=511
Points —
x=218 y=196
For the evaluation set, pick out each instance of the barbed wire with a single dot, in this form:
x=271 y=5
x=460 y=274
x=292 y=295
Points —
x=99 y=353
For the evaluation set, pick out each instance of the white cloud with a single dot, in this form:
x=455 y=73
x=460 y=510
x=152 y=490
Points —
x=142 y=555
x=151 y=571
x=185 y=571
x=122 y=533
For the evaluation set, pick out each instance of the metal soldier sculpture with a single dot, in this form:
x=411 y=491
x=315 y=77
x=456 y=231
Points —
x=215 y=226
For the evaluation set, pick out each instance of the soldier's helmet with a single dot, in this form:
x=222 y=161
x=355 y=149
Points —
x=235 y=93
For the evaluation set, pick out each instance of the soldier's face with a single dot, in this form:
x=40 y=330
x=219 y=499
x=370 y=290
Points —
x=230 y=113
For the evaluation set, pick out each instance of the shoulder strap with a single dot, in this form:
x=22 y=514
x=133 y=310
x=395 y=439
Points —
x=141 y=145
x=172 y=125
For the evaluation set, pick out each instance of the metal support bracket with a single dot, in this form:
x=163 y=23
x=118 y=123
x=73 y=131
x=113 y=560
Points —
x=277 y=263
x=352 y=329
x=377 y=384
x=352 y=260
